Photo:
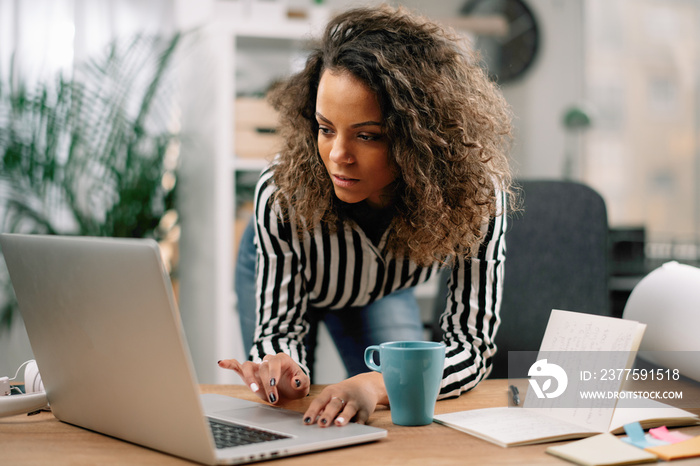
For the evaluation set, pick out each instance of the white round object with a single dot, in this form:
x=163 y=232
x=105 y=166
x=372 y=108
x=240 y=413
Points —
x=668 y=301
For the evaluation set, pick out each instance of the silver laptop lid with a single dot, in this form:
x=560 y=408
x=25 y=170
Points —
x=104 y=330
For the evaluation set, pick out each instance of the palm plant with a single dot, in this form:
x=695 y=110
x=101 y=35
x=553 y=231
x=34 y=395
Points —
x=94 y=154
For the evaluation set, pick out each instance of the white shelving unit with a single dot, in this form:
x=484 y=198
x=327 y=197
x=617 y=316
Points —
x=209 y=167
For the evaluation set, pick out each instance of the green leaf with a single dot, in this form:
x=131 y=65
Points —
x=84 y=155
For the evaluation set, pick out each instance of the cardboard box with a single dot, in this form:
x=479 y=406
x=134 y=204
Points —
x=255 y=129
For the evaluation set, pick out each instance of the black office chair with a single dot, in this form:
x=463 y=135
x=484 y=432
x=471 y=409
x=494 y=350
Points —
x=557 y=254
x=557 y=250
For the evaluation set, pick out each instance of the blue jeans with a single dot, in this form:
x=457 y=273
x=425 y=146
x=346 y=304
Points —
x=392 y=318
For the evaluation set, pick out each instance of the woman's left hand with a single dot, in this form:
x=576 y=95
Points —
x=354 y=399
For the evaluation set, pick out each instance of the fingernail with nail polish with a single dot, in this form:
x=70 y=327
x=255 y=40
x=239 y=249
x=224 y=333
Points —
x=324 y=421
x=339 y=421
x=272 y=382
x=254 y=387
x=297 y=382
x=307 y=420
x=273 y=398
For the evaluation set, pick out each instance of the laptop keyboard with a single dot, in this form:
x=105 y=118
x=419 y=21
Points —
x=232 y=435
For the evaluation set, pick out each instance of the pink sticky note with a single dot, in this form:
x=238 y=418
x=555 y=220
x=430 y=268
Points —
x=662 y=433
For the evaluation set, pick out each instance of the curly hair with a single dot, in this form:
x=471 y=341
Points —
x=448 y=125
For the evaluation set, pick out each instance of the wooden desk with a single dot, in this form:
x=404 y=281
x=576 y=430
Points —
x=41 y=439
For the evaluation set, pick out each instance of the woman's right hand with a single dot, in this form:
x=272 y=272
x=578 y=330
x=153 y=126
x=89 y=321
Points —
x=277 y=377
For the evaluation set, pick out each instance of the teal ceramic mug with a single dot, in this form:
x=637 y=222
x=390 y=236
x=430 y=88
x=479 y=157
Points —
x=412 y=371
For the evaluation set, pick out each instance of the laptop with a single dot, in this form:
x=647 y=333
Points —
x=108 y=340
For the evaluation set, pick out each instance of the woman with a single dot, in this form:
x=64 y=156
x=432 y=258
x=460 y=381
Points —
x=394 y=168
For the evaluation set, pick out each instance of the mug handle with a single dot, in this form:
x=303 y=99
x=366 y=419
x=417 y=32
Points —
x=369 y=358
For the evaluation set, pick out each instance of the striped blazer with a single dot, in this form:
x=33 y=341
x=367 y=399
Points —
x=345 y=269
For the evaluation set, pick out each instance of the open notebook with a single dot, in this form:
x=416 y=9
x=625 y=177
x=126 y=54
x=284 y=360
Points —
x=577 y=340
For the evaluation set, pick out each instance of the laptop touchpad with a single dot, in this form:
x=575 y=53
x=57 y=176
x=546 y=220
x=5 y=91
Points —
x=258 y=415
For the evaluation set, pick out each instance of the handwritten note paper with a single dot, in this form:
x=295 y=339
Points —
x=577 y=341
